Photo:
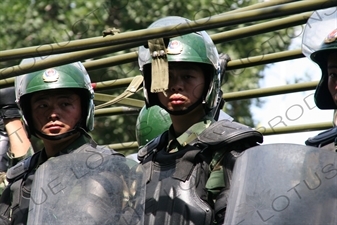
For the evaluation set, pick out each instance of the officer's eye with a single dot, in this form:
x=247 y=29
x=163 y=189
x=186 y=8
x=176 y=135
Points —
x=67 y=103
x=187 y=76
x=41 y=105
x=332 y=74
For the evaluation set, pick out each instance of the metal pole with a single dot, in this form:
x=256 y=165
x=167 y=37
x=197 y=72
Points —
x=117 y=111
x=132 y=145
x=295 y=128
x=173 y=30
x=264 y=92
x=264 y=59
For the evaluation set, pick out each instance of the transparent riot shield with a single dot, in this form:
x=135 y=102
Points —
x=283 y=184
x=87 y=189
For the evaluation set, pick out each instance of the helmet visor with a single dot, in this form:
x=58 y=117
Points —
x=317 y=28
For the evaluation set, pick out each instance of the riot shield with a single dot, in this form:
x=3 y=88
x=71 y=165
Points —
x=283 y=184
x=87 y=189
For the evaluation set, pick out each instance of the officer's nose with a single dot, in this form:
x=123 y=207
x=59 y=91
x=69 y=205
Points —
x=176 y=83
x=53 y=117
x=53 y=113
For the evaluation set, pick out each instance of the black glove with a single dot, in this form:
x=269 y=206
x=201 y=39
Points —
x=8 y=108
x=223 y=60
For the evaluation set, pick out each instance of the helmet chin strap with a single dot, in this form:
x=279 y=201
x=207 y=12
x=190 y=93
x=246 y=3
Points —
x=73 y=131
x=183 y=112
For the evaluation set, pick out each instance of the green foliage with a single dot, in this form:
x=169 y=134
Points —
x=28 y=23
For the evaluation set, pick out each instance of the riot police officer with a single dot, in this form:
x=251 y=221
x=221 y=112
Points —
x=57 y=107
x=320 y=45
x=188 y=168
x=14 y=143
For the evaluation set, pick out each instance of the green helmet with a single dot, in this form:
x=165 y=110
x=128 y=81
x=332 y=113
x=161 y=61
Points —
x=70 y=76
x=195 y=47
x=323 y=98
x=151 y=122
x=319 y=38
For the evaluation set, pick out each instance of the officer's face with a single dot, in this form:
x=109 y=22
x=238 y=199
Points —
x=186 y=85
x=55 y=112
x=332 y=73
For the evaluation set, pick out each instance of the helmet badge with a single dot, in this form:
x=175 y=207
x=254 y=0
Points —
x=331 y=37
x=174 y=48
x=50 y=75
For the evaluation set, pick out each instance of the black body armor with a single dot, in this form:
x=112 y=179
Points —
x=176 y=190
x=16 y=197
x=325 y=139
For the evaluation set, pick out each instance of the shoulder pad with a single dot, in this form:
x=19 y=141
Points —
x=21 y=167
x=323 y=138
x=150 y=147
x=225 y=132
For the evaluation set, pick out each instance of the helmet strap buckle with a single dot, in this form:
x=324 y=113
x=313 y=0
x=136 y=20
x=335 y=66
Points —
x=159 y=65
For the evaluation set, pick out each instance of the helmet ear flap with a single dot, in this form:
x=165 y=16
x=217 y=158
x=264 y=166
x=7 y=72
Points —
x=88 y=110
x=223 y=60
x=151 y=99
x=89 y=123
x=322 y=96
x=212 y=90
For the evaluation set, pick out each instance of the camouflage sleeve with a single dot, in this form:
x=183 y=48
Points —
x=218 y=184
x=220 y=179
x=3 y=182
x=133 y=210
x=14 y=160
x=216 y=181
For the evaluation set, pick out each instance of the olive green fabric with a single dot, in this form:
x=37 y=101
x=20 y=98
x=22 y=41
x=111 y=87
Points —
x=216 y=180
x=175 y=144
x=14 y=160
x=159 y=65
x=3 y=182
